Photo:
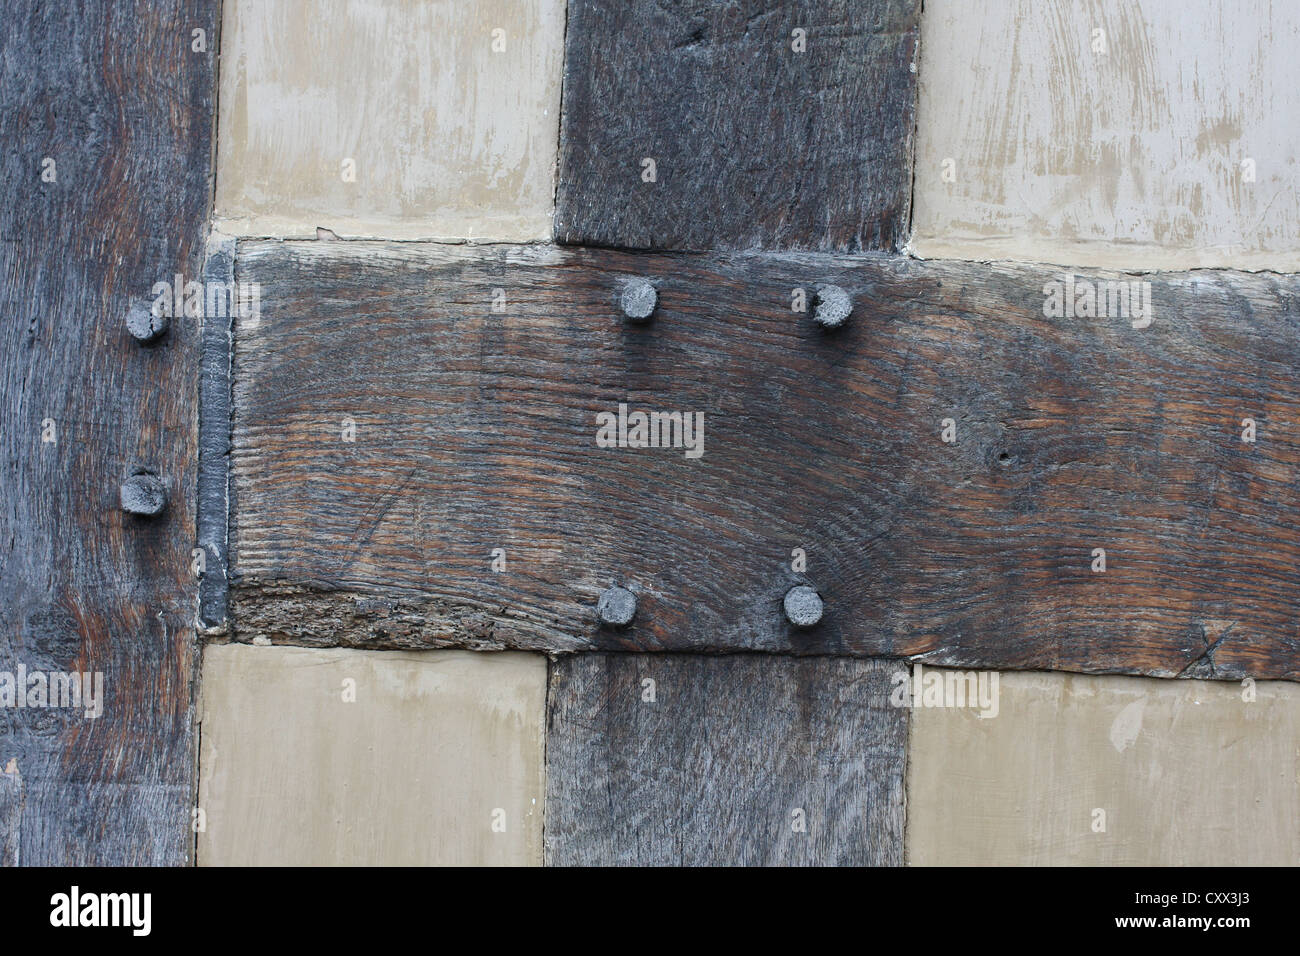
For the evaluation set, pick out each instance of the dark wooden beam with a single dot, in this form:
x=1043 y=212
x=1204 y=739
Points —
x=106 y=119
x=214 y=434
x=477 y=430
x=684 y=760
x=782 y=125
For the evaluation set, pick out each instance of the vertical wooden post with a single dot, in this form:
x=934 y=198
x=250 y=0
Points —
x=106 y=117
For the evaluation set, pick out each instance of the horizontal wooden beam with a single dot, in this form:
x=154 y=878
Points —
x=417 y=458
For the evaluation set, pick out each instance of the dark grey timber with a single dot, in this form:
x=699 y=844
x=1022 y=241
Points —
x=112 y=93
x=738 y=760
x=477 y=430
x=214 y=439
x=761 y=137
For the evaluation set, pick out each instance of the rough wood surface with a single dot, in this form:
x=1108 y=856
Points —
x=113 y=94
x=476 y=430
x=214 y=439
x=734 y=760
x=1114 y=133
x=754 y=143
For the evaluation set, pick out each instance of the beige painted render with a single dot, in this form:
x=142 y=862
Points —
x=1187 y=773
x=1128 y=159
x=437 y=747
x=450 y=139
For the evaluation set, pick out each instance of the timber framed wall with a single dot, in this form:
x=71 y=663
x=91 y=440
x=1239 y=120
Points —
x=1054 y=448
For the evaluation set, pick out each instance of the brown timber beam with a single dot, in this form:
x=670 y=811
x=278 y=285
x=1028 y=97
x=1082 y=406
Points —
x=416 y=458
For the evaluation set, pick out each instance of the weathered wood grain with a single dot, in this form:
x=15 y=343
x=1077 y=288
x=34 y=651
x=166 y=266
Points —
x=476 y=431
x=1114 y=134
x=11 y=815
x=113 y=94
x=668 y=759
x=754 y=143
x=214 y=435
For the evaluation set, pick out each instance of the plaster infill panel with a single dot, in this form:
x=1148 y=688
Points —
x=1106 y=770
x=436 y=759
x=1112 y=133
x=388 y=119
